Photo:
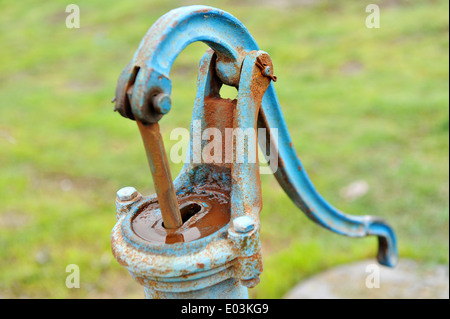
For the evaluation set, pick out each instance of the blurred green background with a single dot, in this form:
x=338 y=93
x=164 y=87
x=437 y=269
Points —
x=368 y=105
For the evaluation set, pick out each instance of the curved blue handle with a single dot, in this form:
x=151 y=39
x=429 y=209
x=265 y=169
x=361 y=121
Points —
x=231 y=41
x=293 y=178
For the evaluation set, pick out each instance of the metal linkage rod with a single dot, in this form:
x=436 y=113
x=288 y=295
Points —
x=162 y=179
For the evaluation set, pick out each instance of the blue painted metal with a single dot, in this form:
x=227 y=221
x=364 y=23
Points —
x=230 y=258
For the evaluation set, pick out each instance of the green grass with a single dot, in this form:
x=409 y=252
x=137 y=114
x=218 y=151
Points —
x=361 y=104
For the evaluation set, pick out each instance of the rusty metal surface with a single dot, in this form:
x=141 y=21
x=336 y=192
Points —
x=202 y=214
x=175 y=257
x=162 y=179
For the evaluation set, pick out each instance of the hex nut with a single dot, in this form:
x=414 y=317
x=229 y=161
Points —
x=243 y=224
x=127 y=193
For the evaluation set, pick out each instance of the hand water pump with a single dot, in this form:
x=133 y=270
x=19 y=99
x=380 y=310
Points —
x=198 y=236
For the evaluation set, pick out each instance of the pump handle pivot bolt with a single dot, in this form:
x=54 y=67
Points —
x=162 y=103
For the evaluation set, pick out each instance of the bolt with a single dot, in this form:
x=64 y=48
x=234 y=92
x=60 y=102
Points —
x=162 y=103
x=127 y=193
x=243 y=224
x=267 y=71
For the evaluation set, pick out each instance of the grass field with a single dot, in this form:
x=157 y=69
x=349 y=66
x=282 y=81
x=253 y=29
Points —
x=361 y=104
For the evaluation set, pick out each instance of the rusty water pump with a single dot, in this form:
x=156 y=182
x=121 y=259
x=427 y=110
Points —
x=198 y=236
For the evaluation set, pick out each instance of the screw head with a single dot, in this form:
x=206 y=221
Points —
x=243 y=224
x=127 y=193
x=267 y=71
x=162 y=103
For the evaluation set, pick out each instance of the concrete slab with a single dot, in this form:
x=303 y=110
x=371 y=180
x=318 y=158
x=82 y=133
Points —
x=368 y=280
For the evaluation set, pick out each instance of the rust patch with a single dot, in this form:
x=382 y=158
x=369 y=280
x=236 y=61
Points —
x=219 y=114
x=203 y=213
x=201 y=11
